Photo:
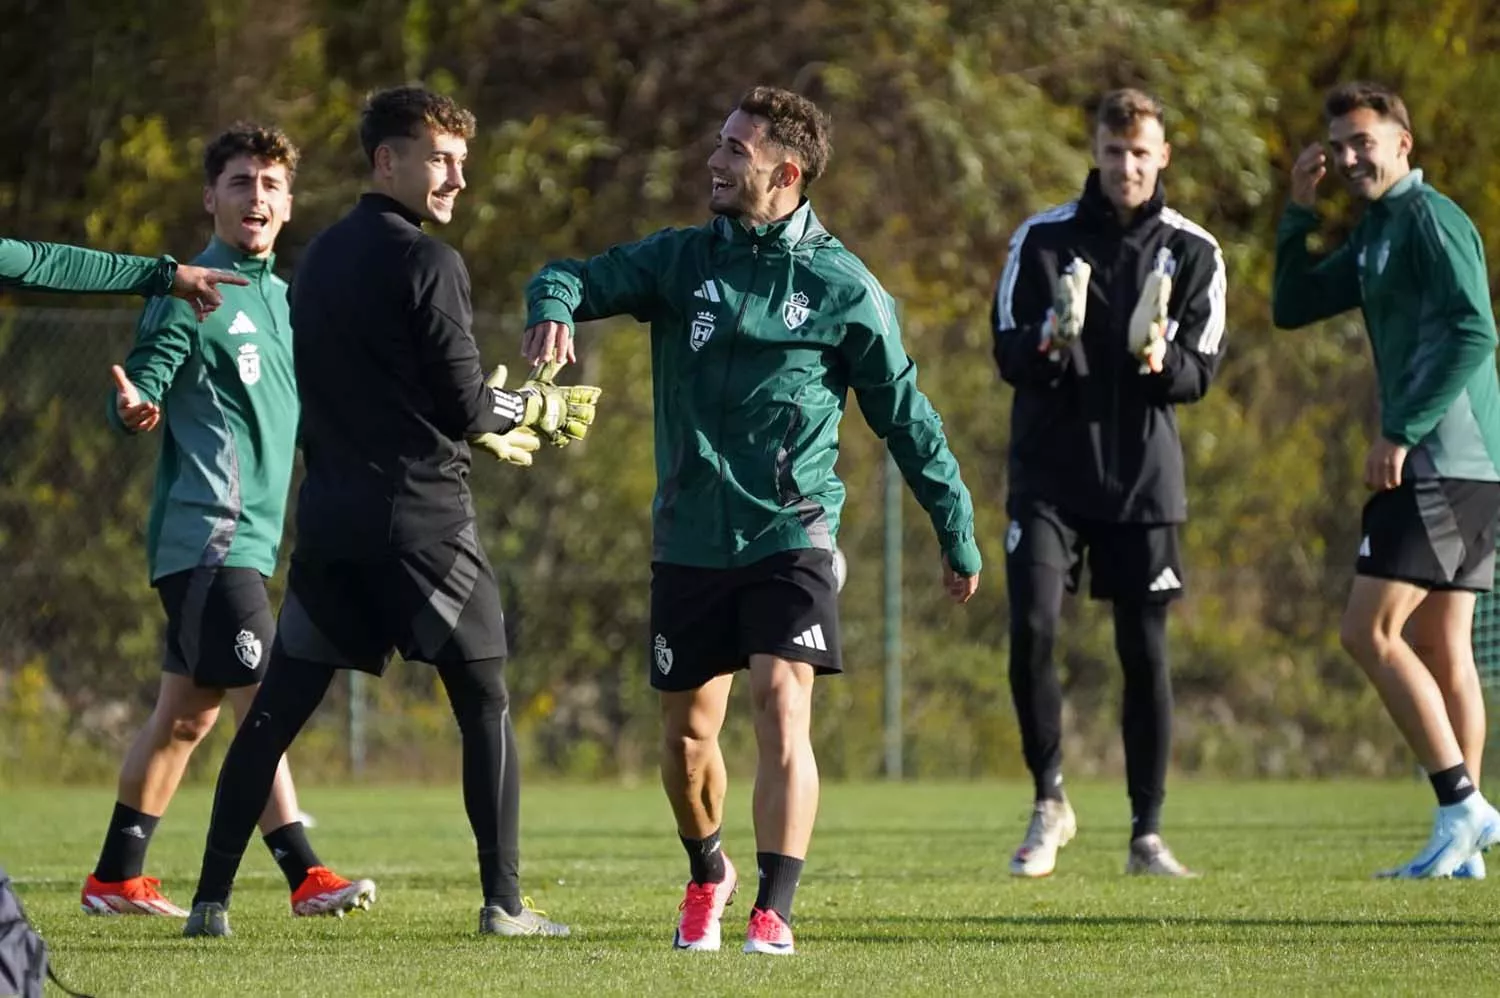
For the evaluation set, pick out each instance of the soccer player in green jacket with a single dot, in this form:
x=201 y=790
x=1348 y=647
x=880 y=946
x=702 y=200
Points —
x=761 y=324
x=225 y=392
x=1414 y=265
x=54 y=267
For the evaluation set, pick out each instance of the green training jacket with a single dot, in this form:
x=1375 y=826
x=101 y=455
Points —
x=55 y=267
x=229 y=397
x=757 y=337
x=1415 y=266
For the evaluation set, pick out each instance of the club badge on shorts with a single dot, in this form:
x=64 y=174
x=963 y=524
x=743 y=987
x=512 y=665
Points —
x=663 y=655
x=247 y=648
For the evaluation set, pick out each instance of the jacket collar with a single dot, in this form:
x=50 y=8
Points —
x=374 y=201
x=1400 y=192
x=224 y=256
x=1095 y=207
x=784 y=234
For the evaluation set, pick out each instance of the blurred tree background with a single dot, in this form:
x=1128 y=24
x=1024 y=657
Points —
x=953 y=122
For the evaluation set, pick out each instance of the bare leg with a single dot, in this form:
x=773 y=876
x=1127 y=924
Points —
x=786 y=775
x=1372 y=633
x=1441 y=634
x=692 y=767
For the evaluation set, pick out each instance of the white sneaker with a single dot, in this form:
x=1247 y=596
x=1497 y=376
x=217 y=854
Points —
x=1149 y=856
x=1458 y=832
x=1471 y=868
x=1053 y=825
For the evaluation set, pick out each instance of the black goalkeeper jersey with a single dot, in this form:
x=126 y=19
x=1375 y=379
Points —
x=391 y=386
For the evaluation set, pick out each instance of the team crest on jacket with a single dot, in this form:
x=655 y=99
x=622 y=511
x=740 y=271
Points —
x=249 y=364
x=247 y=648
x=703 y=328
x=794 y=313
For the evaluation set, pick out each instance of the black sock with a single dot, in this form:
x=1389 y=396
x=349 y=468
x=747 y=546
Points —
x=1451 y=785
x=125 y=844
x=705 y=858
x=1145 y=819
x=292 y=852
x=778 y=883
x=1049 y=786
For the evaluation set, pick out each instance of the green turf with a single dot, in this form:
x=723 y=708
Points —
x=906 y=893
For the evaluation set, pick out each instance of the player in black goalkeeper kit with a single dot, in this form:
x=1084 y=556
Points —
x=387 y=556
x=1109 y=313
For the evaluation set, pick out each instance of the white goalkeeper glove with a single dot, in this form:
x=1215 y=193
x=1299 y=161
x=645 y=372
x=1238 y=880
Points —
x=1064 y=322
x=515 y=447
x=1148 y=323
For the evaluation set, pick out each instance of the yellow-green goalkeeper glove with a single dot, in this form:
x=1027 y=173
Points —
x=560 y=413
x=515 y=447
x=1064 y=322
x=1148 y=323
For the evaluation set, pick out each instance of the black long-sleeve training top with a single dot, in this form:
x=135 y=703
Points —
x=390 y=384
x=1089 y=432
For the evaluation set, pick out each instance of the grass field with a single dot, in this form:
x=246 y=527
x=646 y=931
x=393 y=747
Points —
x=906 y=893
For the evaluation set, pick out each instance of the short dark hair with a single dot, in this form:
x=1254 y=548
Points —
x=1352 y=96
x=1121 y=111
x=247 y=139
x=399 y=112
x=796 y=125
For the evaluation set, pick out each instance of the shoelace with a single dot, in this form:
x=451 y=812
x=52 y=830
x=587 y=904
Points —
x=765 y=924
x=149 y=886
x=529 y=905
x=697 y=908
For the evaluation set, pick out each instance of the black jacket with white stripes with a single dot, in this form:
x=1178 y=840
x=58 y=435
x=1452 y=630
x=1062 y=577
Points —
x=1089 y=432
x=391 y=386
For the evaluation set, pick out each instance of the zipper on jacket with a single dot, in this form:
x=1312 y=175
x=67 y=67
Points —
x=724 y=385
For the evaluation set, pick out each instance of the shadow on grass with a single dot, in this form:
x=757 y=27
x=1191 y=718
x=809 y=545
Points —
x=1002 y=928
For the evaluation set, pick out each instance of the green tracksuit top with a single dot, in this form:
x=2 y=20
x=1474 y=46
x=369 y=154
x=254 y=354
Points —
x=756 y=339
x=55 y=267
x=1415 y=266
x=228 y=393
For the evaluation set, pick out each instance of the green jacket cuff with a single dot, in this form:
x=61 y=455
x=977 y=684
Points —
x=963 y=555
x=549 y=310
x=166 y=273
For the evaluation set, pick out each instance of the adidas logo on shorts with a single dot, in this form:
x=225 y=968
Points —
x=1166 y=580
x=811 y=638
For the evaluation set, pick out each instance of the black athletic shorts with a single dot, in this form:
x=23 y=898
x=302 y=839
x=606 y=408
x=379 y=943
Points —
x=219 y=626
x=706 y=622
x=439 y=604
x=1438 y=533
x=1128 y=562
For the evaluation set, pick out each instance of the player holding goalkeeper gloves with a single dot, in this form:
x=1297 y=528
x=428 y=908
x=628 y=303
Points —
x=761 y=323
x=1414 y=266
x=1109 y=313
x=387 y=556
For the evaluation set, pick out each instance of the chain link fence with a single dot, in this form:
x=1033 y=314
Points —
x=1262 y=685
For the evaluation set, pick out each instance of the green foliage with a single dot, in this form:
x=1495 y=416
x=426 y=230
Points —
x=953 y=122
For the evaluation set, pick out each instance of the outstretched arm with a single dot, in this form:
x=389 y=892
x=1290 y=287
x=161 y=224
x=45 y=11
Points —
x=622 y=280
x=56 y=267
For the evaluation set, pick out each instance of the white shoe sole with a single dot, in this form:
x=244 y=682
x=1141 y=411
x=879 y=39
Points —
x=357 y=896
x=769 y=949
x=114 y=904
